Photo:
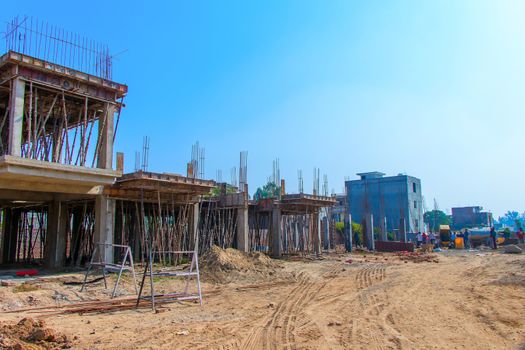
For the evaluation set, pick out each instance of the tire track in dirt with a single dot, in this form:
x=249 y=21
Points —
x=278 y=329
x=378 y=320
x=370 y=305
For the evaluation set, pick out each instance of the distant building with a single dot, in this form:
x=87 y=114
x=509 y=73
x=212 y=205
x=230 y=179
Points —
x=338 y=211
x=466 y=217
x=390 y=197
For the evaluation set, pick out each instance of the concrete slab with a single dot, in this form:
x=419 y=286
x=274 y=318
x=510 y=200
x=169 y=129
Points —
x=24 y=174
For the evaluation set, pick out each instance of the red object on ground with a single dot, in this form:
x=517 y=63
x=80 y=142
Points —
x=349 y=261
x=23 y=273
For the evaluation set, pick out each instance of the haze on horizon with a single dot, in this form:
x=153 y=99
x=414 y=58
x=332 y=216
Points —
x=433 y=89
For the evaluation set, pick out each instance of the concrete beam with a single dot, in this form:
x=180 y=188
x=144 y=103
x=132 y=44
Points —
x=104 y=225
x=242 y=230
x=56 y=237
x=276 y=233
x=17 y=195
x=25 y=174
x=370 y=231
x=16 y=117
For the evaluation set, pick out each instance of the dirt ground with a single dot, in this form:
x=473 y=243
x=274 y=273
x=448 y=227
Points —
x=448 y=300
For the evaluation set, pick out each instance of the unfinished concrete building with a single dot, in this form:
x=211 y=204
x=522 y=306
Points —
x=289 y=225
x=163 y=209
x=57 y=134
x=60 y=194
x=224 y=220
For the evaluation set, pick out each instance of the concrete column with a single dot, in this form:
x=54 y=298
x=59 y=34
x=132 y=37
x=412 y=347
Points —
x=326 y=233
x=16 y=117
x=370 y=231
x=10 y=226
x=242 y=230
x=276 y=233
x=384 y=231
x=135 y=249
x=316 y=233
x=402 y=230
x=105 y=130
x=194 y=224
x=284 y=235
x=348 y=232
x=56 y=237
x=296 y=234
x=104 y=225
x=75 y=240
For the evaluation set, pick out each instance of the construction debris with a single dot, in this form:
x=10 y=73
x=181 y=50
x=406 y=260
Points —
x=513 y=249
x=387 y=246
x=417 y=257
x=96 y=306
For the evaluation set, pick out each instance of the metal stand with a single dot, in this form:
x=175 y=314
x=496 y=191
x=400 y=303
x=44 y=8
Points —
x=111 y=267
x=192 y=272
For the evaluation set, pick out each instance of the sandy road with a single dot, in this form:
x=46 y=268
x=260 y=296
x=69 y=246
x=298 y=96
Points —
x=278 y=328
x=466 y=301
x=457 y=303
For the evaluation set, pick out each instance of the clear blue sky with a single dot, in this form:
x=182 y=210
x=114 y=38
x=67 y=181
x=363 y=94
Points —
x=434 y=89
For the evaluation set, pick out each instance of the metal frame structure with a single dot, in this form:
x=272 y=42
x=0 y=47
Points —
x=193 y=272
x=111 y=267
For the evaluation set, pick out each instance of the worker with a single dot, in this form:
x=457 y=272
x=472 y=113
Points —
x=521 y=236
x=466 y=238
x=452 y=240
x=425 y=238
x=432 y=238
x=419 y=238
x=493 y=235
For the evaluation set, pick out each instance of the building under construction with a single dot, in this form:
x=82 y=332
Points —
x=62 y=192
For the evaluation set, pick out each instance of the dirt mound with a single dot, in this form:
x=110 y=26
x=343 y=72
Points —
x=513 y=275
x=417 y=257
x=228 y=265
x=29 y=334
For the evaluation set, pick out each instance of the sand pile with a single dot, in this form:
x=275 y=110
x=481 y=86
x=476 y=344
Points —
x=29 y=334
x=229 y=265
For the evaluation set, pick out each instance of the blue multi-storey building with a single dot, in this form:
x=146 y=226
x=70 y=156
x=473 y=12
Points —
x=386 y=197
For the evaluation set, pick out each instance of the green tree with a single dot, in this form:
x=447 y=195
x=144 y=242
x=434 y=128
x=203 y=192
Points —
x=434 y=218
x=340 y=227
x=270 y=190
x=216 y=191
